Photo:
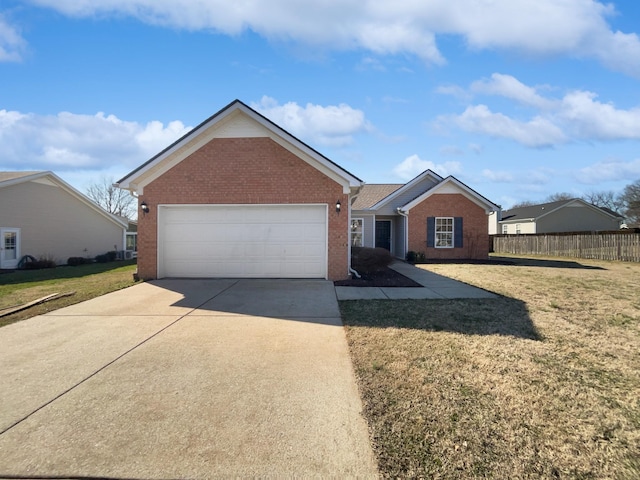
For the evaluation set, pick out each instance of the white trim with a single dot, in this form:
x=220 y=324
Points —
x=453 y=232
x=351 y=231
x=57 y=181
x=206 y=131
x=14 y=262
x=406 y=186
x=462 y=189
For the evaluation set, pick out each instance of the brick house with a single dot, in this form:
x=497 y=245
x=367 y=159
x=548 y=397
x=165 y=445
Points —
x=440 y=217
x=238 y=196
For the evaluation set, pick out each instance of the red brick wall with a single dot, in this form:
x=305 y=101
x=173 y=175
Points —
x=249 y=171
x=474 y=227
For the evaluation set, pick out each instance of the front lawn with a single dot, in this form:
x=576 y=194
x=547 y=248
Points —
x=87 y=281
x=543 y=382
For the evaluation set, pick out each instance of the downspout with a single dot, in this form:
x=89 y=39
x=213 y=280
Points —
x=406 y=230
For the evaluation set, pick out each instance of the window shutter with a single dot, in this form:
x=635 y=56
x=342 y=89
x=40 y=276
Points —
x=457 y=232
x=431 y=231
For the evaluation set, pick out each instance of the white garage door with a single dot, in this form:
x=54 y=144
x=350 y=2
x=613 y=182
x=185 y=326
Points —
x=260 y=241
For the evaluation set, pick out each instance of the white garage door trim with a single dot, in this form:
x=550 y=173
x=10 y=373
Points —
x=243 y=240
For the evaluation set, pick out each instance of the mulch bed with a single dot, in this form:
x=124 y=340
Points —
x=381 y=278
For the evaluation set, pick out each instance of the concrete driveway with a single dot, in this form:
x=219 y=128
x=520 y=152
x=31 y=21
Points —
x=184 y=379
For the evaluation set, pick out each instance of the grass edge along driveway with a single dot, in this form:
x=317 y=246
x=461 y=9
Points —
x=541 y=383
x=87 y=281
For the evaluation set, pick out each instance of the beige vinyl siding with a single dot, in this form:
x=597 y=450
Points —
x=525 y=227
x=56 y=224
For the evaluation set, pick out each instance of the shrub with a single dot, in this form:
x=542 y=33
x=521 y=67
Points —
x=416 y=257
x=75 y=261
x=365 y=259
x=107 y=257
x=41 y=263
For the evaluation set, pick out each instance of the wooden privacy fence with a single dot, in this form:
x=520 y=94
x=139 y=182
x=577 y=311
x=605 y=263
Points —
x=617 y=245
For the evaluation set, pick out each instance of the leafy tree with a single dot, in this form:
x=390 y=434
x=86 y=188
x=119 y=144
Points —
x=113 y=199
x=631 y=198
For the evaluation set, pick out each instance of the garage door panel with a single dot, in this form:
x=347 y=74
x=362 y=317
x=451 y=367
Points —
x=243 y=241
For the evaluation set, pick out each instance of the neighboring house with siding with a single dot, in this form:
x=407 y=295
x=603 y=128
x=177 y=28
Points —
x=573 y=215
x=43 y=216
x=440 y=217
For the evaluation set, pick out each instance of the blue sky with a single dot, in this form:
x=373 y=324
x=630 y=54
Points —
x=519 y=99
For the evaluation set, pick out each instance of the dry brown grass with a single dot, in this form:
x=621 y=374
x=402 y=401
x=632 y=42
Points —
x=541 y=383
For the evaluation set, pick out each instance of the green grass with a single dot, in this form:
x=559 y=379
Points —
x=86 y=281
x=543 y=382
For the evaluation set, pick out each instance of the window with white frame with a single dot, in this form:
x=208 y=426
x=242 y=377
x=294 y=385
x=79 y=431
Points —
x=505 y=229
x=518 y=228
x=357 y=232
x=444 y=232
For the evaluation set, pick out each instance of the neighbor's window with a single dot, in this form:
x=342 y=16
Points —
x=357 y=225
x=518 y=228
x=444 y=232
x=505 y=229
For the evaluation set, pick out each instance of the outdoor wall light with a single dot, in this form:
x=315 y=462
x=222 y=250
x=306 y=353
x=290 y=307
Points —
x=338 y=206
x=144 y=207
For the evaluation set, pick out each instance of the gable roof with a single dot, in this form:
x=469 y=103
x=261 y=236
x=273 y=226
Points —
x=407 y=186
x=370 y=194
x=532 y=213
x=6 y=176
x=178 y=150
x=8 y=179
x=452 y=185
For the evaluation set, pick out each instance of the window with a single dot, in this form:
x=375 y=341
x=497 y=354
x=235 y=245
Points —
x=132 y=242
x=505 y=229
x=444 y=232
x=518 y=228
x=357 y=230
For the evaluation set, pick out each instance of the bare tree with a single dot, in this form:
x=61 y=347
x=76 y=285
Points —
x=607 y=199
x=631 y=198
x=113 y=199
x=524 y=203
x=557 y=197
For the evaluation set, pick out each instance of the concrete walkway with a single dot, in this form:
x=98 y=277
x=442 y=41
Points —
x=184 y=379
x=433 y=286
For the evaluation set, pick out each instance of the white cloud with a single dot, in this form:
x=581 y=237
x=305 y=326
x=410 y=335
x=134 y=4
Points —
x=537 y=132
x=414 y=165
x=329 y=126
x=538 y=27
x=69 y=141
x=577 y=116
x=12 y=45
x=610 y=170
x=510 y=87
x=591 y=119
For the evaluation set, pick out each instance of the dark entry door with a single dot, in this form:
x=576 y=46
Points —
x=383 y=234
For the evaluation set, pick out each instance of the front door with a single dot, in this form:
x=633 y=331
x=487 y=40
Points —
x=383 y=234
x=9 y=247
